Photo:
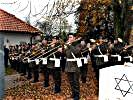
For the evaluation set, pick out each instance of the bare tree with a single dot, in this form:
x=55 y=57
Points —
x=54 y=11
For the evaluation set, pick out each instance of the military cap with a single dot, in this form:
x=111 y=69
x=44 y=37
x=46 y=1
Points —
x=55 y=37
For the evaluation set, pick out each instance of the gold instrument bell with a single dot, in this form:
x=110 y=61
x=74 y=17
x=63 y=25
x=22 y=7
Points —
x=120 y=40
x=92 y=40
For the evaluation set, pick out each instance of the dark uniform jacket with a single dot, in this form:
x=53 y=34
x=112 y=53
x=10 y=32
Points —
x=75 y=48
x=51 y=63
x=97 y=51
x=116 y=50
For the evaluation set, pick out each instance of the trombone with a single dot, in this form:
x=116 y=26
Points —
x=37 y=52
x=26 y=54
x=40 y=52
x=55 y=50
x=52 y=51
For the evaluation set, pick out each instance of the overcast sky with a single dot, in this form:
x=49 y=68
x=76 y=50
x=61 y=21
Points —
x=16 y=7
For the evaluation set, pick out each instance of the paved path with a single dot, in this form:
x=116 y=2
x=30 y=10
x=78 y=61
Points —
x=11 y=81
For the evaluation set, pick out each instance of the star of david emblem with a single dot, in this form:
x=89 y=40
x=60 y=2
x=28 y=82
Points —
x=124 y=85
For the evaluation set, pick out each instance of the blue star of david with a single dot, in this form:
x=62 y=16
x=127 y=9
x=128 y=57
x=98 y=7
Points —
x=130 y=83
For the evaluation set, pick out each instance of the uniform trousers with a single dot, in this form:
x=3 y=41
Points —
x=36 y=73
x=73 y=78
x=83 y=72
x=56 y=73
x=29 y=71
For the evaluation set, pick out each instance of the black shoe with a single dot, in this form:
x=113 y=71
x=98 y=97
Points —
x=34 y=81
x=57 y=89
x=76 y=98
x=28 y=78
x=83 y=81
x=46 y=84
x=23 y=74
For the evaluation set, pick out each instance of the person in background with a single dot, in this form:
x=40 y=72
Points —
x=6 y=56
x=51 y=68
x=84 y=68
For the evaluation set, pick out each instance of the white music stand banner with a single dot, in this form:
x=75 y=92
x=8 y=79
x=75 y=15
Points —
x=116 y=83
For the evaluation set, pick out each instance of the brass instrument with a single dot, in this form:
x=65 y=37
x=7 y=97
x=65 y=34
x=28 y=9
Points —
x=34 y=53
x=129 y=46
x=40 y=52
x=48 y=52
x=13 y=56
x=64 y=45
x=29 y=51
x=128 y=49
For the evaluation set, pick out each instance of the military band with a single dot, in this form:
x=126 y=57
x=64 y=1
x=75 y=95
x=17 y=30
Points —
x=71 y=57
x=51 y=67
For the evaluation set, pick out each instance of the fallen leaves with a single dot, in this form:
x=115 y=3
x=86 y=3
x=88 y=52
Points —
x=29 y=91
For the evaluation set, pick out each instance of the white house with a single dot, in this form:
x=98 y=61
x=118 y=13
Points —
x=15 y=30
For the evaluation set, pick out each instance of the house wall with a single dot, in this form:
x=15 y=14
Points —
x=16 y=38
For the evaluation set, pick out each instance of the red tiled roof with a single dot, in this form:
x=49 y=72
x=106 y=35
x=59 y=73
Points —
x=9 y=22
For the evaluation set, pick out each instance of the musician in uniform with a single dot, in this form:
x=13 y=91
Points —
x=24 y=48
x=73 y=51
x=6 y=56
x=84 y=68
x=28 y=67
x=63 y=61
x=116 y=50
x=21 y=63
x=12 y=56
x=35 y=66
x=44 y=66
x=92 y=53
x=100 y=49
x=16 y=60
x=51 y=68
